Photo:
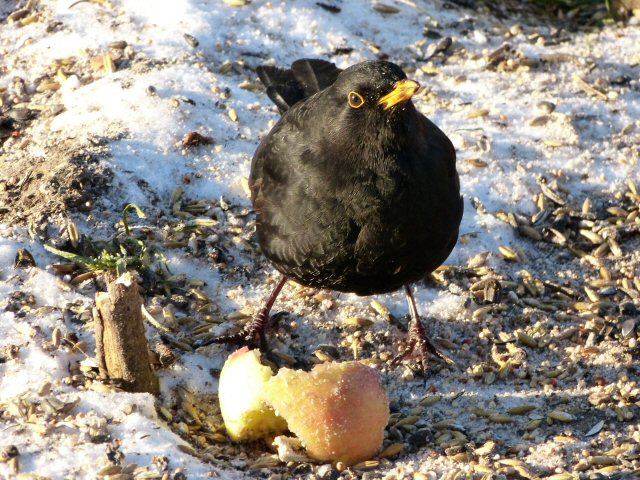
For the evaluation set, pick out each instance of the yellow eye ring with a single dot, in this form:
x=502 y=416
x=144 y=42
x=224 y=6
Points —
x=355 y=99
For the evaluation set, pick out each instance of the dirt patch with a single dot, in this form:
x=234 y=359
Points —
x=71 y=176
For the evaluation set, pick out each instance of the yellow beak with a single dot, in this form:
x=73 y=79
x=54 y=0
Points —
x=402 y=91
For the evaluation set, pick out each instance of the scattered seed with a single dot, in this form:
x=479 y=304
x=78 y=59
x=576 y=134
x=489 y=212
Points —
x=521 y=410
x=498 y=418
x=483 y=112
x=509 y=254
x=485 y=449
x=526 y=339
x=366 y=465
x=532 y=425
x=380 y=309
x=191 y=40
x=561 y=416
x=476 y=162
x=410 y=420
x=392 y=450
x=602 y=460
x=530 y=232
x=357 y=322
x=539 y=121
x=238 y=315
x=385 y=9
x=430 y=400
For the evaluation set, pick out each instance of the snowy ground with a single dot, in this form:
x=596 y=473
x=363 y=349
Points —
x=119 y=112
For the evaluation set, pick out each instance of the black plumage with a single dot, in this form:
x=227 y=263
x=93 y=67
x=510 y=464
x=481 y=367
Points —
x=354 y=189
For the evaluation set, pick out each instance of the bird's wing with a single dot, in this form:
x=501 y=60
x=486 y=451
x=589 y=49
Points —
x=298 y=227
x=286 y=87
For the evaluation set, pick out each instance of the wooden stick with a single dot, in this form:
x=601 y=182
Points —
x=121 y=346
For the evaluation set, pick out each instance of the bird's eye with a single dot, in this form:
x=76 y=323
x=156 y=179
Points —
x=355 y=99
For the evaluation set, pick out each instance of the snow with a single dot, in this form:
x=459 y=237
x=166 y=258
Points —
x=145 y=133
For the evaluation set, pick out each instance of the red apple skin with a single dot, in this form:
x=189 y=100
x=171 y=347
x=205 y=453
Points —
x=338 y=410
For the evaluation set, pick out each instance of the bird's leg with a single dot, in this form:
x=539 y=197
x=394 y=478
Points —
x=252 y=334
x=418 y=341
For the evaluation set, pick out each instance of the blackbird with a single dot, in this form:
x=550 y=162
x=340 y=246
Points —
x=354 y=189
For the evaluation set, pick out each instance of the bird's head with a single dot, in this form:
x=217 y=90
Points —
x=374 y=86
x=373 y=99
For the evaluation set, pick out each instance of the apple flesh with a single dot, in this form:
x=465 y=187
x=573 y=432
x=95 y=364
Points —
x=338 y=410
x=246 y=415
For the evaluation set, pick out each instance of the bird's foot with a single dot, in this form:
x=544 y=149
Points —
x=418 y=341
x=421 y=346
x=252 y=335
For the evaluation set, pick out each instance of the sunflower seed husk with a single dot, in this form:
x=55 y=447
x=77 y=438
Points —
x=18 y=15
x=628 y=327
x=284 y=358
x=551 y=195
x=530 y=232
x=595 y=429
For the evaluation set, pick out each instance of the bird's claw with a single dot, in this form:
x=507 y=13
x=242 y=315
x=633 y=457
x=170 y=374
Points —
x=249 y=336
x=425 y=349
x=252 y=335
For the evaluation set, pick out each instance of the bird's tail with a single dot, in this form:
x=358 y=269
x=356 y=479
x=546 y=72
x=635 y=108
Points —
x=286 y=87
